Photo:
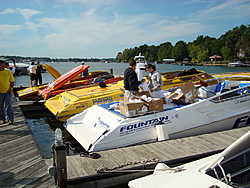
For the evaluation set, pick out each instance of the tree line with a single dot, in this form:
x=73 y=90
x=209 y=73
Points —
x=48 y=59
x=233 y=45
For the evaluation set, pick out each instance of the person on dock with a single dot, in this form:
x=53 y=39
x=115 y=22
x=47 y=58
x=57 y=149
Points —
x=155 y=82
x=131 y=83
x=39 y=69
x=7 y=66
x=32 y=71
x=6 y=90
x=86 y=72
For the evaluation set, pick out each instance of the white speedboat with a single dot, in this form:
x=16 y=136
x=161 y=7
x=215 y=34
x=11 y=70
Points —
x=238 y=64
x=230 y=168
x=141 y=61
x=100 y=128
x=21 y=68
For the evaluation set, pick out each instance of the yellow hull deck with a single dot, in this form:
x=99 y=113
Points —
x=67 y=104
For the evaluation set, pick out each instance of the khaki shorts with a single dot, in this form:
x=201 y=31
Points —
x=32 y=76
x=129 y=94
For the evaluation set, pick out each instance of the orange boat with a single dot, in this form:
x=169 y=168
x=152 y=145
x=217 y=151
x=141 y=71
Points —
x=62 y=83
x=65 y=82
x=48 y=92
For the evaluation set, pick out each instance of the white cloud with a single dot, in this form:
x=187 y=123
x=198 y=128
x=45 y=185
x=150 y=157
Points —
x=88 y=29
x=8 y=11
x=29 y=43
x=93 y=3
x=231 y=8
x=195 y=1
x=27 y=13
x=39 y=2
x=9 y=29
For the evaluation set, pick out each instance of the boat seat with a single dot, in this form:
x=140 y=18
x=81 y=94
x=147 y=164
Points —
x=204 y=93
x=245 y=90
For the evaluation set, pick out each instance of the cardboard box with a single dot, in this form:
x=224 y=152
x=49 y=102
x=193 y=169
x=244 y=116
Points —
x=130 y=109
x=138 y=94
x=155 y=105
x=189 y=94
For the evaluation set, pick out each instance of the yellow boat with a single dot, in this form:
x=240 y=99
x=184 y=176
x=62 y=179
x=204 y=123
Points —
x=31 y=93
x=51 y=70
x=69 y=103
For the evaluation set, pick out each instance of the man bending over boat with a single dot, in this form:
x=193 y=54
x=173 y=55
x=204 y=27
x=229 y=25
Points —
x=131 y=82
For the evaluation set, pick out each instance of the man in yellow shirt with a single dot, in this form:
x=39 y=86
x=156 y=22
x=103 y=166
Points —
x=6 y=90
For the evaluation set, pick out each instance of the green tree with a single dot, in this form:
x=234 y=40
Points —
x=128 y=54
x=202 y=55
x=226 y=53
x=119 y=57
x=165 y=51
x=193 y=52
x=152 y=53
x=180 y=51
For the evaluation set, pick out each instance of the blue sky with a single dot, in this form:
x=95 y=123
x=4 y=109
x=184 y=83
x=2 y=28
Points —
x=102 y=28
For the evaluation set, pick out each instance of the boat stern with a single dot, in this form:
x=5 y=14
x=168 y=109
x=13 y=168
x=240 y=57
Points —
x=29 y=93
x=92 y=126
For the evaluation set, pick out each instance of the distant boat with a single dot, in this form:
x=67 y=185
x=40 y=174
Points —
x=21 y=68
x=158 y=62
x=238 y=64
x=141 y=61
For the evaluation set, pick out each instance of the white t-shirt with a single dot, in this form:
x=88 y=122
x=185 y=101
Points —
x=32 y=69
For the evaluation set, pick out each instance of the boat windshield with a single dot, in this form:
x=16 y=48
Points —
x=51 y=84
x=233 y=164
x=140 y=59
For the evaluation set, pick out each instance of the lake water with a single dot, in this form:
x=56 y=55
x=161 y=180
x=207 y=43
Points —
x=43 y=128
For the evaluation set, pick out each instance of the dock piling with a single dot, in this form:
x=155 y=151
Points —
x=59 y=169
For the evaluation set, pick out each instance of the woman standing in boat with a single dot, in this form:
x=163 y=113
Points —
x=155 y=82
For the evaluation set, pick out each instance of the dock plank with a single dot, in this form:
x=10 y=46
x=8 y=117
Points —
x=21 y=162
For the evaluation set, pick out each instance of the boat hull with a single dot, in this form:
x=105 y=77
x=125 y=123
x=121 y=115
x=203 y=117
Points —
x=111 y=129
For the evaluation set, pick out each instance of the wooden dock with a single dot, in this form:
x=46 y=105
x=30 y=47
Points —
x=118 y=166
x=22 y=164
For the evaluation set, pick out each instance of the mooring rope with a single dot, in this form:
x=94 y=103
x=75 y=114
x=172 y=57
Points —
x=105 y=169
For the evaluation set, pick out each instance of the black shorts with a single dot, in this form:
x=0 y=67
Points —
x=32 y=76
